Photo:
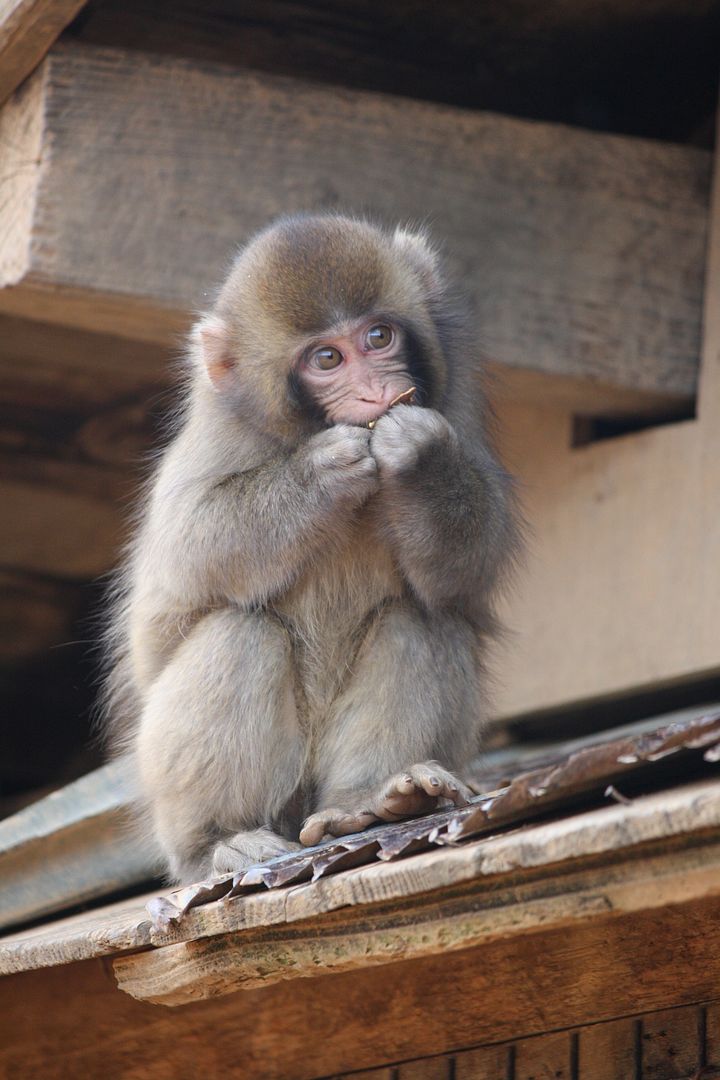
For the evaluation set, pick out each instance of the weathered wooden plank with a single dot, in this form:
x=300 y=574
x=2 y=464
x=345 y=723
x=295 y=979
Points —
x=610 y=1051
x=72 y=846
x=633 y=964
x=194 y=970
x=670 y=1044
x=523 y=59
x=546 y=1058
x=582 y=253
x=604 y=834
x=487 y=1063
x=27 y=30
x=620 y=590
x=711 y=1023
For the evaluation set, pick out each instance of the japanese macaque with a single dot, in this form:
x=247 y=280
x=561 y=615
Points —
x=302 y=622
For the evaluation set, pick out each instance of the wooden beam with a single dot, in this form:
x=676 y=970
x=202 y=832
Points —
x=138 y=175
x=211 y=967
x=71 y=847
x=620 y=590
x=607 y=835
x=27 y=30
x=505 y=990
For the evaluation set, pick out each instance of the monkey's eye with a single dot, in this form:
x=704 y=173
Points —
x=379 y=337
x=326 y=358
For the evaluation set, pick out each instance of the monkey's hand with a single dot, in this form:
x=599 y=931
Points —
x=401 y=437
x=410 y=793
x=340 y=463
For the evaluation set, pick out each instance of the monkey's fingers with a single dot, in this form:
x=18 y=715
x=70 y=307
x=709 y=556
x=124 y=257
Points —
x=334 y=822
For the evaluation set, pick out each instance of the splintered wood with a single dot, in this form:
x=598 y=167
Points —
x=580 y=778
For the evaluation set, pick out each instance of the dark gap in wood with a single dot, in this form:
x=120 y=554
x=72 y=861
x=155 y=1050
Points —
x=702 y=1036
x=591 y=429
x=575 y=1055
x=451 y=1067
x=511 y=1056
x=584 y=718
x=638 y=1050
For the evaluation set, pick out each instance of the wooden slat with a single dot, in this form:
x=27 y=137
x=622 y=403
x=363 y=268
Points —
x=194 y=970
x=620 y=590
x=602 y=971
x=582 y=253
x=610 y=1051
x=27 y=30
x=669 y=1044
x=70 y=847
x=602 y=834
x=545 y=1058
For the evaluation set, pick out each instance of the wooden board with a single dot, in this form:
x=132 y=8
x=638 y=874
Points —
x=643 y=68
x=27 y=30
x=623 y=574
x=667 y=1045
x=572 y=245
x=501 y=992
x=350 y=941
x=71 y=847
x=606 y=835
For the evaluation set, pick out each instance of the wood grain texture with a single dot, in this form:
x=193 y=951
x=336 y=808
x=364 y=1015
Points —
x=70 y=847
x=611 y=1051
x=614 y=1050
x=582 y=253
x=620 y=589
x=606 y=835
x=627 y=966
x=195 y=970
x=514 y=57
x=27 y=30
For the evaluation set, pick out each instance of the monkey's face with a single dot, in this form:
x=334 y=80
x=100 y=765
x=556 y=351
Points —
x=324 y=320
x=354 y=376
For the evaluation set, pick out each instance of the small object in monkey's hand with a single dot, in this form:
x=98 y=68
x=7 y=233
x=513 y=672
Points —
x=402 y=399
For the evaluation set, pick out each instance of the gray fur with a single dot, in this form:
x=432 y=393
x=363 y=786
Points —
x=305 y=607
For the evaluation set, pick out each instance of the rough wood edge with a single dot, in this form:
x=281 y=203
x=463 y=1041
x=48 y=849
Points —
x=27 y=30
x=211 y=967
x=128 y=317
x=98 y=311
x=21 y=145
x=73 y=846
x=607 y=832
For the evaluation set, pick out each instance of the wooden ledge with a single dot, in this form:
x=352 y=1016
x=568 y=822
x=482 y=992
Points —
x=515 y=861
x=136 y=177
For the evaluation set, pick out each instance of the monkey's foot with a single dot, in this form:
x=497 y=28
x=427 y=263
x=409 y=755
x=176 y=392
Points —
x=247 y=849
x=410 y=793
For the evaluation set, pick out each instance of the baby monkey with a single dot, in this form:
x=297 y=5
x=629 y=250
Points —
x=301 y=624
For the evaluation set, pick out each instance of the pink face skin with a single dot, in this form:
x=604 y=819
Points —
x=355 y=376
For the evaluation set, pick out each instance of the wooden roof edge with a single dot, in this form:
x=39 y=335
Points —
x=549 y=850
x=27 y=30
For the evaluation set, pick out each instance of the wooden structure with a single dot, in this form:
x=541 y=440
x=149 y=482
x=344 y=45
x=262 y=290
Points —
x=577 y=940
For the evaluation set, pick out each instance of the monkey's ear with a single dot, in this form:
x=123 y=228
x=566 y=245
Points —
x=211 y=349
x=423 y=257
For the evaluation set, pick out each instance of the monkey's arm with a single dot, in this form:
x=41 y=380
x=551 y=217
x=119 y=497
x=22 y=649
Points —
x=247 y=535
x=449 y=513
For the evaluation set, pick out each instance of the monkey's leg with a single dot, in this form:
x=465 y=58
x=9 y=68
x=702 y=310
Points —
x=411 y=711
x=219 y=748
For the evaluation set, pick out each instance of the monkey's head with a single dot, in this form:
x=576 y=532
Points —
x=324 y=319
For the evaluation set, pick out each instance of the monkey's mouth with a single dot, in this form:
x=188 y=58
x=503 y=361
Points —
x=406 y=398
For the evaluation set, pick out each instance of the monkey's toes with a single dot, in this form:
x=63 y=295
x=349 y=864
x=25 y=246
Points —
x=334 y=822
x=417 y=790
